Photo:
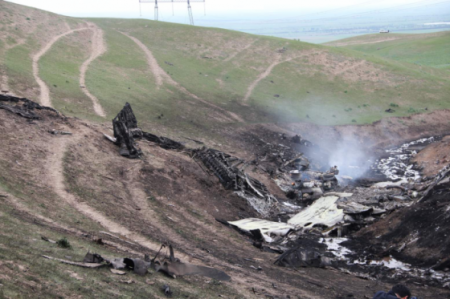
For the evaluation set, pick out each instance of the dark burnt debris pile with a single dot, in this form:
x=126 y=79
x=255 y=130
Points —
x=417 y=234
x=23 y=107
x=223 y=166
x=126 y=132
x=388 y=223
x=226 y=169
x=327 y=219
x=169 y=265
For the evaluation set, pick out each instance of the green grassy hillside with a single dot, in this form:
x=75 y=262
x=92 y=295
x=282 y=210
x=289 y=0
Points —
x=209 y=74
x=432 y=49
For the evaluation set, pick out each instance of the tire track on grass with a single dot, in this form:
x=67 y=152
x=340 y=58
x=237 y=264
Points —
x=98 y=49
x=161 y=76
x=44 y=91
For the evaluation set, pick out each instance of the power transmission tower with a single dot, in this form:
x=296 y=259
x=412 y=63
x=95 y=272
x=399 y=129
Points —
x=191 y=16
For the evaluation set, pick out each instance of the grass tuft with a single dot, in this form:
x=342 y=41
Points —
x=64 y=243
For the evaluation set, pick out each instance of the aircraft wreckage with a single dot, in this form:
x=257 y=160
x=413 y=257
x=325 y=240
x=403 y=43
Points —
x=326 y=218
x=309 y=226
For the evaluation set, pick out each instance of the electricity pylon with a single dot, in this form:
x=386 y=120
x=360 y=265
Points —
x=191 y=16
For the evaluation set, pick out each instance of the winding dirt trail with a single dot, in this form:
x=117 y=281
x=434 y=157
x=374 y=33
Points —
x=241 y=50
x=45 y=94
x=350 y=68
x=139 y=197
x=161 y=76
x=242 y=281
x=55 y=175
x=4 y=86
x=350 y=43
x=98 y=48
x=158 y=72
x=264 y=75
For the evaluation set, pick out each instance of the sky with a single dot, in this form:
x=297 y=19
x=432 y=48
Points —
x=220 y=9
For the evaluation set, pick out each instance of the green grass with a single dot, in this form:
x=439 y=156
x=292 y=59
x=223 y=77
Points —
x=60 y=69
x=332 y=100
x=21 y=250
x=18 y=65
x=122 y=75
x=40 y=199
x=185 y=47
x=211 y=64
x=432 y=49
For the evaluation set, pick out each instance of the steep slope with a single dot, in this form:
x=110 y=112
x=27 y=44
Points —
x=281 y=80
x=182 y=81
x=78 y=186
x=212 y=76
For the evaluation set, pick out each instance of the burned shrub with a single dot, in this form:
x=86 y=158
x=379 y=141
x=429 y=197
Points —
x=22 y=106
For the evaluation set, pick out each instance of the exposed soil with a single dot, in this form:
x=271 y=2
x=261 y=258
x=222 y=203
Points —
x=44 y=91
x=434 y=157
x=55 y=176
x=421 y=228
x=351 y=67
x=159 y=74
x=98 y=48
x=377 y=136
x=246 y=47
x=36 y=18
x=350 y=70
x=349 y=43
x=166 y=196
x=262 y=76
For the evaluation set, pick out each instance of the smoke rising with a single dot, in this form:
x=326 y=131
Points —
x=350 y=157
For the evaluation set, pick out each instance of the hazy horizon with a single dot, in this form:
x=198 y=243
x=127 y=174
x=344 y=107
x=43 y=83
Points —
x=317 y=21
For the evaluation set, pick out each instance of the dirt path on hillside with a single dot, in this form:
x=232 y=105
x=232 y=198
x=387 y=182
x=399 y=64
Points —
x=57 y=226
x=241 y=50
x=55 y=175
x=98 y=48
x=242 y=282
x=139 y=197
x=350 y=43
x=45 y=94
x=346 y=69
x=18 y=205
x=264 y=75
x=4 y=86
x=161 y=76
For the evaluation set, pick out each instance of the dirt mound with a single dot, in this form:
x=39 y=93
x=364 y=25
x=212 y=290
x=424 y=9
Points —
x=434 y=157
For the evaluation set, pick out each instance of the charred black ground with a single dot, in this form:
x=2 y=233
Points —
x=280 y=176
